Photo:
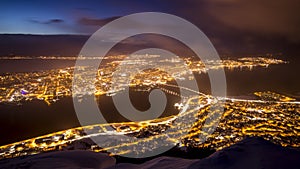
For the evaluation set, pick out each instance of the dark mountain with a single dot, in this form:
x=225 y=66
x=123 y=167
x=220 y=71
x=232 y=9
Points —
x=239 y=43
x=45 y=45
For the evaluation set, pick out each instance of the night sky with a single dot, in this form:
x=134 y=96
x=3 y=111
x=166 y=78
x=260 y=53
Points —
x=69 y=17
x=258 y=24
x=279 y=17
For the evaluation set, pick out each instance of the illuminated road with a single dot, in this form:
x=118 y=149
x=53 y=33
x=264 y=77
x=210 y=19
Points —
x=267 y=119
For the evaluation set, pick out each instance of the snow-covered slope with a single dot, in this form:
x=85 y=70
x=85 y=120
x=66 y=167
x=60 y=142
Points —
x=251 y=153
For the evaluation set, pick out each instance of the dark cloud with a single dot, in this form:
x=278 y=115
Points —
x=96 y=22
x=51 y=21
x=55 y=21
x=279 y=18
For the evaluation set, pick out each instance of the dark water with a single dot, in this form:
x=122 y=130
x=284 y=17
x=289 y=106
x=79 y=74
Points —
x=35 y=118
x=283 y=78
x=31 y=119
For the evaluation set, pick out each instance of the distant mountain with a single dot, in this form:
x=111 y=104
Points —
x=70 y=45
x=251 y=153
x=36 y=45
